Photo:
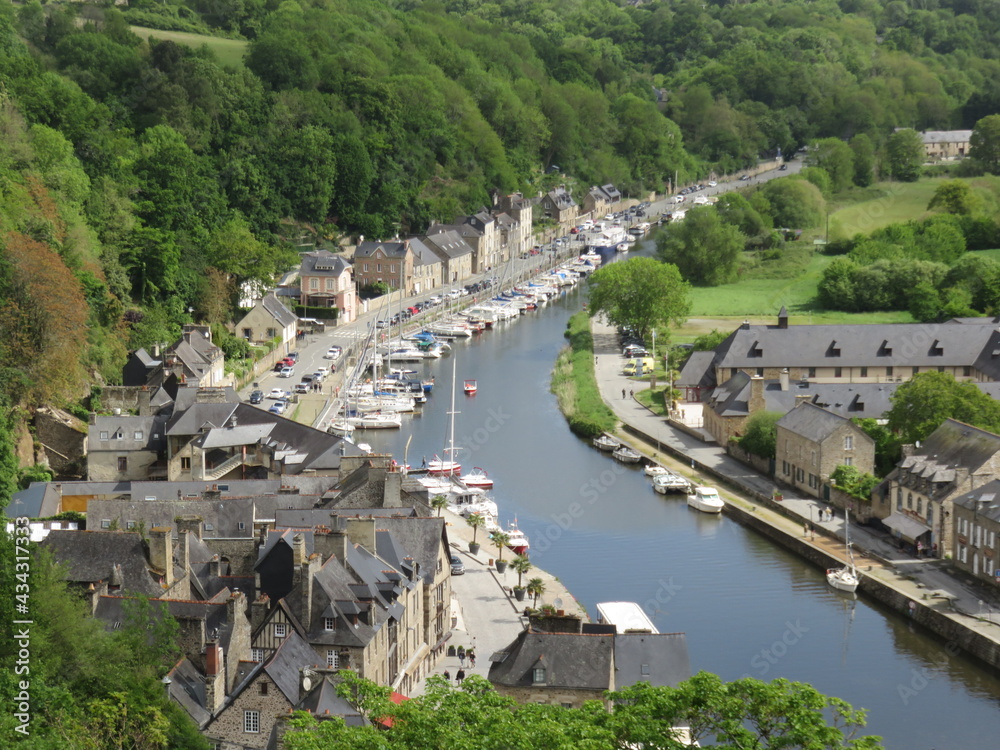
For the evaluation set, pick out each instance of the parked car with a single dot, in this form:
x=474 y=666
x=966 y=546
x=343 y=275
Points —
x=278 y=393
x=574 y=230
x=256 y=396
x=286 y=372
x=293 y=356
x=635 y=350
x=322 y=372
x=381 y=323
x=457 y=566
x=302 y=387
x=745 y=178
x=278 y=407
x=712 y=183
x=333 y=352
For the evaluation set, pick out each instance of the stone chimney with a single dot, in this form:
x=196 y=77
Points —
x=559 y=622
x=192 y=524
x=258 y=611
x=184 y=544
x=783 y=379
x=362 y=531
x=392 y=496
x=331 y=542
x=215 y=682
x=756 y=402
x=782 y=317
x=299 y=549
x=803 y=398
x=160 y=553
x=145 y=394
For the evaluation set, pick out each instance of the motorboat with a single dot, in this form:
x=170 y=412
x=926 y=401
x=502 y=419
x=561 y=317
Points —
x=626 y=455
x=340 y=428
x=477 y=478
x=670 y=482
x=375 y=421
x=606 y=443
x=518 y=539
x=439 y=467
x=705 y=499
x=845 y=578
x=470 y=387
x=655 y=470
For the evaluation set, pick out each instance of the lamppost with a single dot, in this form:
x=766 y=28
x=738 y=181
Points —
x=652 y=375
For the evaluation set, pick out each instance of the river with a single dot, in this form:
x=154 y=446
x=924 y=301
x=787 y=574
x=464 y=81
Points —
x=749 y=608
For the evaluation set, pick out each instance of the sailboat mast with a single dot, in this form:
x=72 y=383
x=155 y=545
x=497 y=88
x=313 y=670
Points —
x=450 y=450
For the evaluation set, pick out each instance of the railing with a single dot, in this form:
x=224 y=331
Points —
x=228 y=465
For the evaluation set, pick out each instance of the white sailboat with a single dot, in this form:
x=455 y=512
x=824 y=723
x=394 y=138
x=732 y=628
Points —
x=845 y=578
x=448 y=466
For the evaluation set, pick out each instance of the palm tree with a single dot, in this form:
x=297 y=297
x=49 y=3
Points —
x=439 y=502
x=536 y=587
x=522 y=565
x=500 y=540
x=476 y=521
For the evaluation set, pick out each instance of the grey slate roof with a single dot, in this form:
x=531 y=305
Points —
x=732 y=398
x=571 y=661
x=278 y=311
x=954 y=444
x=698 y=371
x=198 y=417
x=661 y=659
x=423 y=255
x=393 y=249
x=187 y=687
x=985 y=500
x=324 y=702
x=448 y=243
x=323 y=263
x=222 y=518
x=561 y=198
x=811 y=422
x=284 y=665
x=608 y=193
x=91 y=556
x=127 y=433
x=946 y=136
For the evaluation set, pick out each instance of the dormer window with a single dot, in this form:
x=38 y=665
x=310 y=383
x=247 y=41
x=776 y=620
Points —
x=833 y=350
x=329 y=623
x=885 y=350
x=538 y=675
x=104 y=434
x=936 y=350
x=138 y=435
x=755 y=350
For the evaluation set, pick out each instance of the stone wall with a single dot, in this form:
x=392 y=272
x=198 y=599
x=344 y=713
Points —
x=554 y=696
x=241 y=553
x=63 y=438
x=758 y=463
x=228 y=726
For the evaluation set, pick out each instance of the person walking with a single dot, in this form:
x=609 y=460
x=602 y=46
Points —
x=631 y=393
x=461 y=658
x=623 y=393
x=472 y=659
x=460 y=676
x=447 y=675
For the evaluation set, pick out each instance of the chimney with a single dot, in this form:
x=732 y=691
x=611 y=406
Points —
x=184 y=542
x=803 y=398
x=160 y=553
x=145 y=395
x=299 y=549
x=93 y=417
x=258 y=611
x=782 y=317
x=192 y=524
x=236 y=607
x=362 y=531
x=215 y=567
x=392 y=490
x=756 y=402
x=783 y=378
x=215 y=683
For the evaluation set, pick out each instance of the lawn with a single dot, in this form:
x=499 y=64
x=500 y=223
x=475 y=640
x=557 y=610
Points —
x=229 y=51
x=891 y=202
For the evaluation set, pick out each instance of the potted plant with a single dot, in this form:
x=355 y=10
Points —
x=522 y=565
x=438 y=502
x=500 y=540
x=476 y=521
x=536 y=587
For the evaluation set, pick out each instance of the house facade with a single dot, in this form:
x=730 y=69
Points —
x=559 y=206
x=812 y=442
x=389 y=263
x=457 y=256
x=977 y=533
x=946 y=145
x=269 y=320
x=326 y=280
x=516 y=235
x=194 y=359
x=601 y=200
x=428 y=268
x=121 y=448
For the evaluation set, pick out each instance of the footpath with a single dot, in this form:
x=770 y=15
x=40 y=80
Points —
x=959 y=609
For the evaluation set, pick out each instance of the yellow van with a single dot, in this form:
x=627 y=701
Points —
x=638 y=366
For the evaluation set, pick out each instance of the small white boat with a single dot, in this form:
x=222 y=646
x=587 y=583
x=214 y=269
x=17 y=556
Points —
x=606 y=443
x=655 y=470
x=376 y=421
x=443 y=468
x=340 y=428
x=705 y=499
x=626 y=455
x=845 y=578
x=670 y=482
x=470 y=387
x=518 y=540
x=477 y=478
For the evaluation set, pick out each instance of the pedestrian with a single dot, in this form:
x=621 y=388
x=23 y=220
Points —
x=623 y=393
x=631 y=393
x=461 y=658
x=472 y=658
x=447 y=675
x=812 y=532
x=459 y=676
x=595 y=359
x=805 y=529
x=423 y=464
x=920 y=548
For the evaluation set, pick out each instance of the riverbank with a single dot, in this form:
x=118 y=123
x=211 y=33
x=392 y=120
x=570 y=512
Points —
x=921 y=589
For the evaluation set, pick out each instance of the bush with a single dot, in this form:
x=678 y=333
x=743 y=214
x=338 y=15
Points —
x=760 y=437
x=853 y=482
x=320 y=313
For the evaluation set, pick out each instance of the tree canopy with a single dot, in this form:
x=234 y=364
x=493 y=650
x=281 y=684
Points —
x=921 y=404
x=705 y=248
x=639 y=294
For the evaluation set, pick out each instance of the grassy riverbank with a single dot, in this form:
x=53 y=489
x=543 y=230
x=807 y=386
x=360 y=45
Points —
x=574 y=384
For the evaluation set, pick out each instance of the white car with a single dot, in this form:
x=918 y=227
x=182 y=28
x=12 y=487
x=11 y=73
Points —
x=286 y=372
x=278 y=393
x=322 y=371
x=333 y=352
x=712 y=183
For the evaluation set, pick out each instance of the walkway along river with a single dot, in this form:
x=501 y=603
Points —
x=748 y=607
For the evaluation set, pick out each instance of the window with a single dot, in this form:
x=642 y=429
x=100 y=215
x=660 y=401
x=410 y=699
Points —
x=248 y=333
x=241 y=525
x=963 y=553
x=104 y=434
x=257 y=654
x=330 y=285
x=848 y=442
x=313 y=284
x=760 y=372
x=538 y=675
x=930 y=513
x=967 y=371
x=812 y=372
x=105 y=523
x=915 y=370
x=251 y=721
x=280 y=629
x=263 y=688
x=909 y=501
x=848 y=461
x=185 y=463
x=137 y=435
x=130 y=524
x=920 y=506
x=566 y=705
x=365 y=267
x=272 y=332
x=838 y=372
x=332 y=659
x=393 y=268
x=328 y=623
x=864 y=372
x=812 y=458
x=122 y=463
x=888 y=371
x=378 y=268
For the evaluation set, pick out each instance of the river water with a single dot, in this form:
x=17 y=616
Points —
x=749 y=608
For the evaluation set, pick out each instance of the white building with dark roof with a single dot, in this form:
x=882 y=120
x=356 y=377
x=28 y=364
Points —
x=326 y=280
x=946 y=145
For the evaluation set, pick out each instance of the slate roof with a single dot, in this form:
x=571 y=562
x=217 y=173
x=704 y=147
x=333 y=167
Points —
x=561 y=198
x=222 y=518
x=661 y=659
x=187 y=687
x=571 y=661
x=324 y=702
x=732 y=398
x=278 y=311
x=111 y=610
x=121 y=434
x=423 y=255
x=146 y=358
x=188 y=396
x=394 y=249
x=91 y=556
x=30 y=503
x=310 y=518
x=985 y=500
x=699 y=370
x=284 y=665
x=198 y=417
x=285 y=537
x=811 y=422
x=607 y=193
x=952 y=445
x=946 y=136
x=447 y=242
x=323 y=263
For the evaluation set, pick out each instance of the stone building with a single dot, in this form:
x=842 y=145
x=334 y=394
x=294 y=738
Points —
x=946 y=145
x=559 y=206
x=601 y=200
x=977 y=533
x=124 y=447
x=915 y=499
x=267 y=320
x=812 y=442
x=450 y=243
x=389 y=263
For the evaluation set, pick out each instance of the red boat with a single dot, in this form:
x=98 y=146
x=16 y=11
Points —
x=470 y=387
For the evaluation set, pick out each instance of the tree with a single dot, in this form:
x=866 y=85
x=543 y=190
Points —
x=905 y=155
x=705 y=249
x=476 y=521
x=864 y=160
x=535 y=588
x=708 y=342
x=984 y=144
x=921 y=404
x=887 y=445
x=736 y=210
x=836 y=159
x=522 y=565
x=955 y=197
x=760 y=435
x=639 y=294
x=438 y=502
x=500 y=540
x=854 y=482
x=795 y=203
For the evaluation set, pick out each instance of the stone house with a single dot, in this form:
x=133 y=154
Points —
x=575 y=662
x=516 y=238
x=812 y=442
x=731 y=404
x=269 y=319
x=126 y=448
x=448 y=242
x=428 y=268
x=143 y=368
x=601 y=200
x=559 y=206
x=194 y=359
x=946 y=145
x=977 y=532
x=389 y=263
x=915 y=499
x=325 y=280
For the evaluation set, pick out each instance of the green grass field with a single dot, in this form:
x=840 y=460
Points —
x=229 y=51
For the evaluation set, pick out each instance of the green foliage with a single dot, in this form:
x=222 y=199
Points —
x=863 y=151
x=887 y=445
x=760 y=435
x=703 y=247
x=954 y=197
x=574 y=383
x=35 y=473
x=921 y=404
x=984 y=145
x=639 y=294
x=709 y=341
x=795 y=203
x=836 y=159
x=854 y=482
x=904 y=155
